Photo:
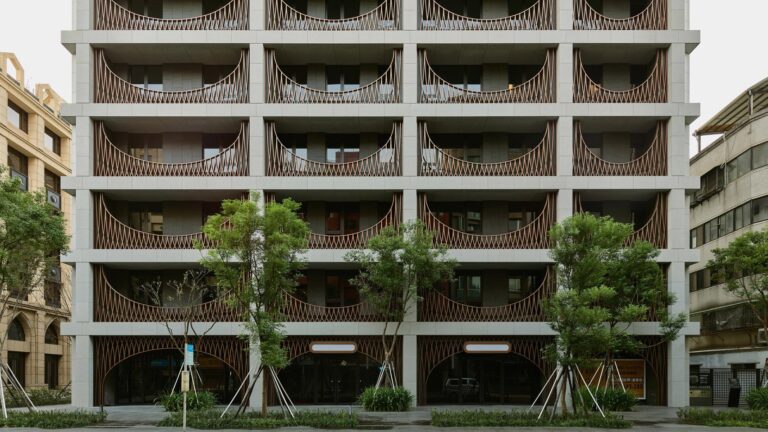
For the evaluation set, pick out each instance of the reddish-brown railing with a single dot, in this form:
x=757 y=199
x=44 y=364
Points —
x=359 y=239
x=109 y=15
x=281 y=16
x=111 y=233
x=653 y=17
x=110 y=88
x=537 y=162
x=653 y=231
x=109 y=160
x=296 y=310
x=111 y=306
x=532 y=236
x=652 y=90
x=540 y=16
x=540 y=88
x=438 y=307
x=384 y=162
x=653 y=162
x=282 y=89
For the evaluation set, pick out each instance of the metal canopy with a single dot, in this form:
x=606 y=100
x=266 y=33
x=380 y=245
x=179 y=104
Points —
x=753 y=100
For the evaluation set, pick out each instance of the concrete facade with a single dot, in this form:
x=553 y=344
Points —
x=491 y=50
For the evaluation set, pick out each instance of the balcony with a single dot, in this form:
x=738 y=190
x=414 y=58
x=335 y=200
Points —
x=620 y=83
x=327 y=296
x=126 y=302
x=490 y=296
x=630 y=154
x=648 y=216
x=23 y=180
x=143 y=154
x=486 y=83
x=457 y=160
x=490 y=224
x=337 y=84
x=282 y=15
x=352 y=155
x=626 y=15
x=540 y=15
x=111 y=15
x=155 y=224
x=149 y=85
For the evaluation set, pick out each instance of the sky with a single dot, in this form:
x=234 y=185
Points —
x=731 y=57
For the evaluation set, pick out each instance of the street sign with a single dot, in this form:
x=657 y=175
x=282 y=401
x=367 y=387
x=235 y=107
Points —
x=189 y=355
x=185 y=381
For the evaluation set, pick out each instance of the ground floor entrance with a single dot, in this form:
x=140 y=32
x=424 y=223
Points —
x=329 y=378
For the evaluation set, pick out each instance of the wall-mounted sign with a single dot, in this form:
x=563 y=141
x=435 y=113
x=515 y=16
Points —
x=487 y=347
x=189 y=355
x=332 y=347
x=632 y=373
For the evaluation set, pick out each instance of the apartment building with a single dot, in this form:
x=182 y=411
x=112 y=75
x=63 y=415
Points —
x=488 y=120
x=732 y=199
x=35 y=147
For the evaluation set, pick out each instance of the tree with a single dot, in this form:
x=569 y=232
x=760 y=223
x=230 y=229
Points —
x=396 y=265
x=32 y=237
x=256 y=261
x=743 y=266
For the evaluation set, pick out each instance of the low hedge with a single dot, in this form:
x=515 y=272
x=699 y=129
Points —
x=40 y=397
x=610 y=399
x=757 y=398
x=723 y=418
x=201 y=400
x=52 y=419
x=386 y=399
x=211 y=419
x=481 y=418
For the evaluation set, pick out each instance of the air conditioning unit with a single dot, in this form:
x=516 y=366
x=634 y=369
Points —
x=762 y=339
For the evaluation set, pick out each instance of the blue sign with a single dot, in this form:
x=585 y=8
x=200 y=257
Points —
x=189 y=355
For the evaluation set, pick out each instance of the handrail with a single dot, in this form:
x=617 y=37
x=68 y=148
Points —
x=652 y=90
x=111 y=161
x=383 y=162
x=111 y=233
x=111 y=88
x=281 y=16
x=112 y=306
x=109 y=15
x=539 y=16
x=538 y=89
x=539 y=161
x=531 y=236
x=359 y=239
x=654 y=230
x=653 y=162
x=283 y=89
x=438 y=307
x=296 y=310
x=653 y=17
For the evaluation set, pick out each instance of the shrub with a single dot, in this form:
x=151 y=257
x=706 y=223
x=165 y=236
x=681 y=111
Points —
x=195 y=401
x=724 y=418
x=40 y=397
x=757 y=399
x=481 y=418
x=386 y=399
x=52 y=419
x=210 y=419
x=610 y=399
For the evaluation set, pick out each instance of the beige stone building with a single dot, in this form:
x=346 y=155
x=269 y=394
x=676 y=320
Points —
x=35 y=147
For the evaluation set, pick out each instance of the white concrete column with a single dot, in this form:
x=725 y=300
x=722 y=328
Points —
x=678 y=359
x=410 y=72
x=564 y=147
x=83 y=136
x=257 y=19
x=83 y=224
x=410 y=365
x=257 y=397
x=410 y=14
x=677 y=146
x=564 y=11
x=410 y=151
x=82 y=293
x=82 y=372
x=83 y=74
x=256 y=74
x=564 y=204
x=82 y=15
x=410 y=205
x=564 y=73
x=257 y=151
x=677 y=77
x=677 y=17
x=677 y=224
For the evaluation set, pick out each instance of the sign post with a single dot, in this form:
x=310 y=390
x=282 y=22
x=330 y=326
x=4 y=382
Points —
x=189 y=361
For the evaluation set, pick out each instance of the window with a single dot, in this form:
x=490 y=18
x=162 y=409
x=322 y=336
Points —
x=214 y=74
x=338 y=291
x=342 y=78
x=16 y=331
x=52 y=370
x=147 y=77
x=342 y=148
x=17 y=163
x=760 y=156
x=17 y=362
x=146 y=217
x=52 y=335
x=52 y=294
x=17 y=117
x=212 y=5
x=760 y=209
x=210 y=209
x=736 y=317
x=518 y=286
x=461 y=146
x=701 y=279
x=342 y=218
x=150 y=8
x=467 y=8
x=147 y=147
x=711 y=183
x=517 y=217
x=463 y=217
x=739 y=166
x=466 y=77
x=296 y=73
x=340 y=9
x=52 y=182
x=52 y=142
x=213 y=144
x=518 y=146
x=467 y=288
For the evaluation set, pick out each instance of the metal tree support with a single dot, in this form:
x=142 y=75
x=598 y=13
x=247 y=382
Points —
x=610 y=371
x=386 y=372
x=286 y=404
x=564 y=379
x=15 y=389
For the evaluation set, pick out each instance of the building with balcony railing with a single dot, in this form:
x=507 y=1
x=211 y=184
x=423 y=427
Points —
x=36 y=150
x=732 y=200
x=489 y=121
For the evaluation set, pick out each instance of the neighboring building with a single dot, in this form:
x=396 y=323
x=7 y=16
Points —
x=489 y=121
x=35 y=145
x=732 y=200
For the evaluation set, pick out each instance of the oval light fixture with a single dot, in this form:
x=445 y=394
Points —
x=332 y=347
x=487 y=347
